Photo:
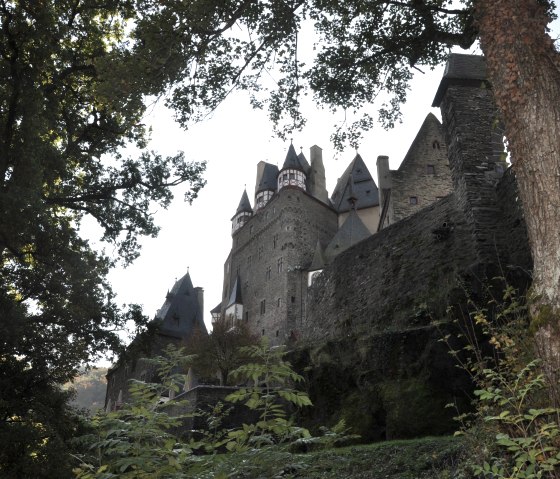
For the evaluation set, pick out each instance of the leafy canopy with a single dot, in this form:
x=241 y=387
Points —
x=74 y=79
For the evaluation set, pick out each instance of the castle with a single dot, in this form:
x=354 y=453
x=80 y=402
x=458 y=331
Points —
x=294 y=229
x=360 y=282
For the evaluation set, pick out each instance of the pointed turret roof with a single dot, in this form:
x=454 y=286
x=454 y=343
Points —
x=352 y=231
x=244 y=205
x=303 y=162
x=235 y=295
x=181 y=313
x=318 y=258
x=268 y=179
x=356 y=181
x=292 y=160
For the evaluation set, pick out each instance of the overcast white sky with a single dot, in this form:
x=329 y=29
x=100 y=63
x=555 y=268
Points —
x=233 y=141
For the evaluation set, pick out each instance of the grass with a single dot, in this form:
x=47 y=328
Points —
x=432 y=457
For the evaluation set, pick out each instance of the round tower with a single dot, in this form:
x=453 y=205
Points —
x=293 y=172
x=265 y=186
x=242 y=214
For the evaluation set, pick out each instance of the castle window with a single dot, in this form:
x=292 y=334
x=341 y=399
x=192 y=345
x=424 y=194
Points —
x=275 y=241
x=280 y=264
x=430 y=170
x=246 y=316
x=263 y=332
x=268 y=271
x=263 y=306
x=435 y=145
x=279 y=302
x=277 y=333
x=293 y=299
x=249 y=259
x=413 y=200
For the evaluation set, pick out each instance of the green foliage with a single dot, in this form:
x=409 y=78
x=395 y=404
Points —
x=269 y=395
x=514 y=431
x=221 y=350
x=136 y=441
x=73 y=77
x=337 y=436
x=89 y=387
x=425 y=458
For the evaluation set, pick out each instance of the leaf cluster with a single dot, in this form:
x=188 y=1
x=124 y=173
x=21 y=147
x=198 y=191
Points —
x=515 y=427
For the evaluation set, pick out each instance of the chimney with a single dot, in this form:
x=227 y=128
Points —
x=383 y=176
x=200 y=298
x=317 y=182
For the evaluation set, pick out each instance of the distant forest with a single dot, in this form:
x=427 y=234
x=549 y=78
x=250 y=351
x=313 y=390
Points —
x=90 y=389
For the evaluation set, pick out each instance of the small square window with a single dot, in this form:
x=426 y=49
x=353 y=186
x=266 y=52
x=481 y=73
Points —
x=293 y=299
x=430 y=170
x=413 y=200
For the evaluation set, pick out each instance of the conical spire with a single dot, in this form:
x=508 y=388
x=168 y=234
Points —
x=292 y=161
x=244 y=204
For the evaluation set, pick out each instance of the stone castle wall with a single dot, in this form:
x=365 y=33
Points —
x=270 y=252
x=388 y=281
x=378 y=284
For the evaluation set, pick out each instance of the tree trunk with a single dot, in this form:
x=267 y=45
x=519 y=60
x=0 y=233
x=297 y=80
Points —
x=524 y=70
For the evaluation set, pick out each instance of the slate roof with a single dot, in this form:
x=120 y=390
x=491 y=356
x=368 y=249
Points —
x=235 y=295
x=217 y=309
x=318 y=261
x=356 y=181
x=268 y=179
x=181 y=313
x=352 y=231
x=304 y=163
x=463 y=70
x=244 y=205
x=293 y=161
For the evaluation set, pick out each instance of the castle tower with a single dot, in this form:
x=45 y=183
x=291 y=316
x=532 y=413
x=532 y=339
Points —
x=265 y=186
x=293 y=172
x=242 y=214
x=474 y=137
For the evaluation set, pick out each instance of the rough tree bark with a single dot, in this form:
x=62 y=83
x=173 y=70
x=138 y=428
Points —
x=524 y=69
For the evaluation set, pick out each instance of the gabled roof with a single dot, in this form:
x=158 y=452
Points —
x=268 y=178
x=352 y=231
x=181 y=312
x=293 y=162
x=355 y=181
x=244 y=205
x=235 y=295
